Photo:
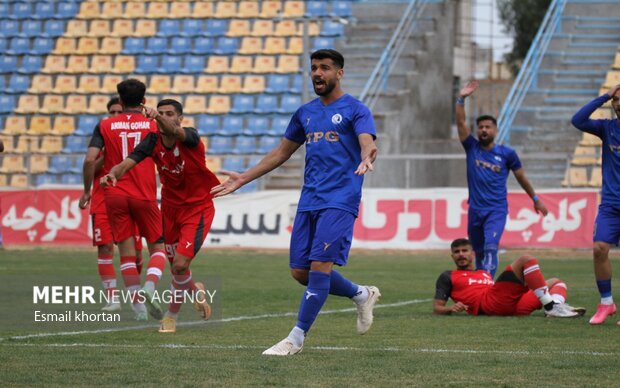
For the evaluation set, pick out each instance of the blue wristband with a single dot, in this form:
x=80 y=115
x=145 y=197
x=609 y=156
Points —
x=460 y=101
x=535 y=198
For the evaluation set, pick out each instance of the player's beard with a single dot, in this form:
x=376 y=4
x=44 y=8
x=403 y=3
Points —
x=328 y=86
x=485 y=141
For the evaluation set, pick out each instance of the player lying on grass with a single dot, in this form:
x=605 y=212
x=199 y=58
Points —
x=519 y=290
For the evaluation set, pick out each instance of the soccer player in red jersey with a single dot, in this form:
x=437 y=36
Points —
x=186 y=202
x=133 y=200
x=519 y=290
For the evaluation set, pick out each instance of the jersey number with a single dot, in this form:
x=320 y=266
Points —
x=125 y=136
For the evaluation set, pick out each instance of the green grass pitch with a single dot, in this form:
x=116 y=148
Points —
x=258 y=300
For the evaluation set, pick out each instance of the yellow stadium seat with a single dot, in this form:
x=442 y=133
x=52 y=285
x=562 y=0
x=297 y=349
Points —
x=230 y=84
x=202 y=10
x=160 y=84
x=41 y=83
x=601 y=113
x=53 y=104
x=97 y=104
x=27 y=104
x=288 y=64
x=88 y=46
x=270 y=9
x=264 y=64
x=205 y=141
x=109 y=83
x=54 y=64
x=225 y=10
x=76 y=28
x=157 y=10
x=180 y=9
x=38 y=164
x=78 y=64
x=4 y=180
x=7 y=140
x=313 y=29
x=183 y=84
x=134 y=10
x=123 y=27
x=217 y=64
x=145 y=28
x=188 y=121
x=111 y=46
x=51 y=144
x=241 y=64
x=253 y=84
x=295 y=46
x=218 y=105
x=596 y=180
x=65 y=84
x=275 y=45
x=214 y=163
x=262 y=28
x=89 y=10
x=589 y=140
x=206 y=84
x=124 y=64
x=12 y=163
x=19 y=181
x=40 y=125
x=65 y=46
x=248 y=9
x=27 y=144
x=76 y=103
x=99 y=28
x=616 y=64
x=111 y=10
x=63 y=125
x=584 y=156
x=286 y=28
x=195 y=104
x=576 y=177
x=294 y=9
x=88 y=84
x=612 y=78
x=101 y=64
x=251 y=45
x=238 y=27
x=15 y=125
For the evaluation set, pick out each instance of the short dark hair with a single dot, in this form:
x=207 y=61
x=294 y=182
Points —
x=169 y=101
x=131 y=91
x=334 y=55
x=459 y=242
x=113 y=101
x=486 y=117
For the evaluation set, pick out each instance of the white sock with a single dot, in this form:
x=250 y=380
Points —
x=607 y=300
x=361 y=296
x=149 y=286
x=297 y=336
x=545 y=298
x=557 y=298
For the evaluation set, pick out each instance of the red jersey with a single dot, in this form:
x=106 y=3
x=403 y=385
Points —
x=183 y=172
x=467 y=287
x=120 y=134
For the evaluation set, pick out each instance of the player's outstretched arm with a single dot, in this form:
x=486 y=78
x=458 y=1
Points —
x=368 y=153
x=271 y=161
x=117 y=172
x=439 y=307
x=539 y=206
x=461 y=119
x=88 y=174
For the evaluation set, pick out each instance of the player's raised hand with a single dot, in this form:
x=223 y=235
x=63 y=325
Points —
x=469 y=89
x=107 y=180
x=233 y=182
x=613 y=90
x=84 y=200
x=149 y=112
x=540 y=208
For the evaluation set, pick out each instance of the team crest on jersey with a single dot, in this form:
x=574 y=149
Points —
x=176 y=151
x=337 y=118
x=498 y=158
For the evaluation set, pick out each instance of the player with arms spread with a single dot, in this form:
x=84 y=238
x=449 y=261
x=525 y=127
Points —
x=339 y=134
x=186 y=202
x=519 y=290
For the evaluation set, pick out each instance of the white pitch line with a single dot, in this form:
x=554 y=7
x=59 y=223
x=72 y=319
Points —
x=194 y=323
x=322 y=348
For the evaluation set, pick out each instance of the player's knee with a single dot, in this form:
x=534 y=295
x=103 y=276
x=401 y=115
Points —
x=179 y=267
x=552 y=281
x=524 y=259
x=106 y=250
x=600 y=250
x=301 y=275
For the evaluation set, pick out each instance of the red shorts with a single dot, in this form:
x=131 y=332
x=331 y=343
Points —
x=185 y=228
x=125 y=212
x=102 y=233
x=504 y=297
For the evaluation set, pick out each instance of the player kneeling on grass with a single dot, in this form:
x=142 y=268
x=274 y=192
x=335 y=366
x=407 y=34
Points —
x=186 y=203
x=519 y=290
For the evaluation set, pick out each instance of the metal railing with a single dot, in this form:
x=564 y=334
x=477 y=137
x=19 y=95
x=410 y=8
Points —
x=377 y=81
x=529 y=69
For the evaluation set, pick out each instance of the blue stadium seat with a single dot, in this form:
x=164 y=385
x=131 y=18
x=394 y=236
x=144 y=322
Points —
x=42 y=46
x=203 y=46
x=171 y=64
x=71 y=179
x=18 y=83
x=279 y=123
x=77 y=164
x=4 y=44
x=60 y=164
x=21 y=11
x=342 y=9
x=233 y=163
x=46 y=179
x=244 y=145
x=323 y=43
x=297 y=83
x=220 y=145
x=267 y=143
x=277 y=83
x=242 y=103
x=9 y=28
x=134 y=46
x=180 y=45
x=169 y=27
x=19 y=46
x=86 y=125
x=2 y=85
x=53 y=28
x=75 y=144
x=253 y=161
x=316 y=8
x=8 y=64
x=156 y=46
x=227 y=46
x=232 y=126
x=43 y=10
x=7 y=103
x=4 y=8
x=266 y=104
x=257 y=126
x=31 y=28
x=208 y=124
x=193 y=64
x=67 y=10
x=147 y=64
x=191 y=27
x=31 y=64
x=216 y=27
x=331 y=28
x=289 y=103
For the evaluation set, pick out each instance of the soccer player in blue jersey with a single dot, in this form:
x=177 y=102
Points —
x=339 y=134
x=607 y=224
x=488 y=166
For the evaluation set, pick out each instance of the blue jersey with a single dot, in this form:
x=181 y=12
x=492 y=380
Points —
x=487 y=172
x=332 y=152
x=609 y=132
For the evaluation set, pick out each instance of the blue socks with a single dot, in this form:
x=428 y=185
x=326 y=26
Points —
x=604 y=287
x=341 y=286
x=313 y=299
x=489 y=261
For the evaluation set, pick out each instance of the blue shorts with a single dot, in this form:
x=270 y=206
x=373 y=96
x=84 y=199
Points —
x=607 y=224
x=321 y=235
x=485 y=228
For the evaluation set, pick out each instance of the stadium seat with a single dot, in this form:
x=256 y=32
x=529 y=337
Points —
x=203 y=46
x=596 y=180
x=238 y=27
x=230 y=84
x=111 y=10
x=233 y=163
x=147 y=64
x=31 y=29
x=42 y=46
x=145 y=28
x=262 y=28
x=180 y=9
x=160 y=84
x=289 y=103
x=156 y=45
x=134 y=46
x=584 y=156
x=12 y=164
x=18 y=84
x=77 y=163
x=267 y=143
x=7 y=103
x=616 y=64
x=40 y=125
x=8 y=64
x=2 y=83
x=322 y=43
x=89 y=10
x=29 y=104
x=241 y=64
x=214 y=163
x=202 y=10
x=218 y=105
x=30 y=64
x=316 y=9
x=59 y=164
x=209 y=124
x=277 y=83
x=65 y=84
x=110 y=45
x=7 y=140
x=19 y=181
x=257 y=126
x=253 y=84
x=71 y=179
x=45 y=179
x=226 y=46
x=86 y=125
x=101 y=64
x=216 y=27
x=27 y=144
x=180 y=45
x=245 y=145
x=248 y=9
x=54 y=64
x=4 y=180
x=170 y=64
x=123 y=27
x=270 y=9
x=169 y=27
x=612 y=78
x=87 y=46
x=576 y=177
x=63 y=125
x=288 y=64
x=295 y=46
x=97 y=104
x=158 y=10
x=275 y=45
x=183 y=84
x=225 y=10
x=9 y=28
x=264 y=64
x=99 y=28
x=207 y=84
x=253 y=161
x=89 y=84
x=75 y=144
x=231 y=126
x=220 y=145
x=76 y=28
x=242 y=104
x=78 y=64
x=286 y=28
x=189 y=121
x=134 y=10
x=294 y=9
x=41 y=83
x=589 y=140
x=76 y=103
x=331 y=28
x=38 y=164
x=65 y=46
x=251 y=45
x=342 y=9
x=195 y=104
x=43 y=11
x=15 y=125
x=191 y=27
x=266 y=104
x=124 y=64
x=20 y=11
x=217 y=64
x=279 y=123
x=53 y=29
x=19 y=46
x=4 y=44
x=67 y=10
